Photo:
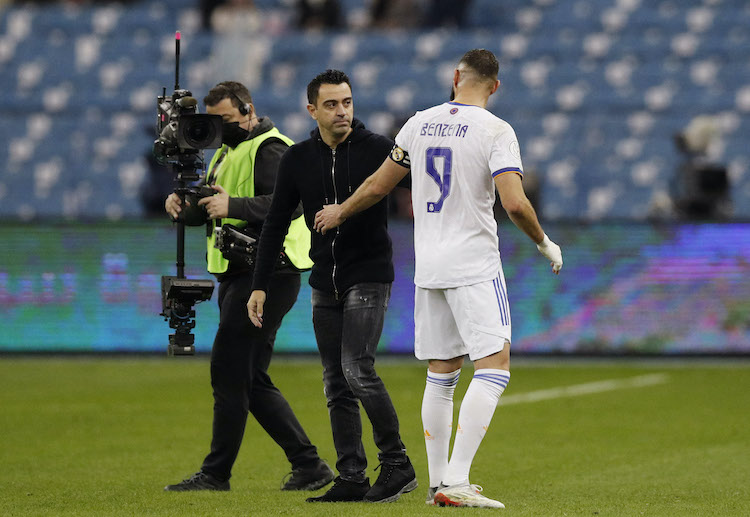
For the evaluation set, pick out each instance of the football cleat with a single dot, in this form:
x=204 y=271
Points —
x=465 y=495
x=431 y=495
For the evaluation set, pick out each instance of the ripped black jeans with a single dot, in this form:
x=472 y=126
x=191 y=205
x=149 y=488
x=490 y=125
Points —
x=347 y=330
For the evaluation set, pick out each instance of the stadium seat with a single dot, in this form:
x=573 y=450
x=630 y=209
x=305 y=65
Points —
x=595 y=90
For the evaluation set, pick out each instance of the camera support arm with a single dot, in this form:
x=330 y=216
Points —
x=182 y=136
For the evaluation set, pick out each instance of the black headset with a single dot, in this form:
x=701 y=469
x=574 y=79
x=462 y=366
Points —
x=244 y=107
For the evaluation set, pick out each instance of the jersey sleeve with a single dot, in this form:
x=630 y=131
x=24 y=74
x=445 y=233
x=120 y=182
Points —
x=505 y=156
x=400 y=156
x=404 y=136
x=400 y=151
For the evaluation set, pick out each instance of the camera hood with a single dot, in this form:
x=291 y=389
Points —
x=199 y=131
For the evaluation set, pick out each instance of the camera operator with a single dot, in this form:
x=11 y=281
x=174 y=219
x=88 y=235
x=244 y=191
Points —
x=242 y=173
x=700 y=188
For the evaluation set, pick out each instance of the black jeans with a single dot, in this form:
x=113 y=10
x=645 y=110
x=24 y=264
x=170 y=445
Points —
x=239 y=363
x=347 y=330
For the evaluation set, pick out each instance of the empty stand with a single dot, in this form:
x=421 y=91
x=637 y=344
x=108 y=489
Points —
x=595 y=89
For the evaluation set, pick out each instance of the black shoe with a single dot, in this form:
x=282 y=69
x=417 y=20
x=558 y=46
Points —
x=393 y=481
x=311 y=478
x=343 y=490
x=198 y=481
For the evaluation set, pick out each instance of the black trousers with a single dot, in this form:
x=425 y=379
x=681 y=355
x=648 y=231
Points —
x=239 y=376
x=347 y=330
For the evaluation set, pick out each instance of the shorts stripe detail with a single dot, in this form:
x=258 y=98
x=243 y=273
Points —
x=447 y=383
x=506 y=303
x=502 y=301
x=499 y=302
x=493 y=378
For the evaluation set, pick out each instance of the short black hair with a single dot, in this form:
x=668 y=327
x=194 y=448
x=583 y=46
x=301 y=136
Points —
x=232 y=90
x=328 y=77
x=483 y=62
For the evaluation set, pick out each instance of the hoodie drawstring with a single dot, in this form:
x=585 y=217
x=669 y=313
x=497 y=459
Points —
x=348 y=154
x=323 y=172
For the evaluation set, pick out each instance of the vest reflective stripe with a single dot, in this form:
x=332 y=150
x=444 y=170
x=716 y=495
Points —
x=232 y=176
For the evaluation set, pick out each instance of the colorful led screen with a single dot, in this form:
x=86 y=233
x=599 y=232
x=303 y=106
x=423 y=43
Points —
x=625 y=288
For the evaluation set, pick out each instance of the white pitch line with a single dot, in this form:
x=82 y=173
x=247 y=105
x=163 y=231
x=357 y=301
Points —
x=585 y=389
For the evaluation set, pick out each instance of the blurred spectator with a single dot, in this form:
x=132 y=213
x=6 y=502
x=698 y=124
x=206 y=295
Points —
x=447 y=13
x=701 y=186
x=395 y=14
x=319 y=14
x=207 y=8
x=65 y=2
x=156 y=186
x=236 y=16
x=158 y=183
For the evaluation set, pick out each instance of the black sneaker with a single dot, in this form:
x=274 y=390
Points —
x=198 y=481
x=393 y=481
x=343 y=490
x=311 y=478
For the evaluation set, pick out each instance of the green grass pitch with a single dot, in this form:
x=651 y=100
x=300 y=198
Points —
x=95 y=436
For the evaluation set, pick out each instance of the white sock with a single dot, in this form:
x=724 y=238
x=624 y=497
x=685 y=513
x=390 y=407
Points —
x=437 y=420
x=474 y=418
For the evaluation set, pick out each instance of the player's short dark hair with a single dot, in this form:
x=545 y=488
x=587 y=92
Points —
x=483 y=62
x=232 y=90
x=328 y=77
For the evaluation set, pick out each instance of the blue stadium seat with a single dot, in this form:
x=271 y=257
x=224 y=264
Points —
x=669 y=62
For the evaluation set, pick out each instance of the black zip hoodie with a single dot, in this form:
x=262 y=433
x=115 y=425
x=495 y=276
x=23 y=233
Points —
x=360 y=249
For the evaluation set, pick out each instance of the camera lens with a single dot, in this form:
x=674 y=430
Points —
x=198 y=133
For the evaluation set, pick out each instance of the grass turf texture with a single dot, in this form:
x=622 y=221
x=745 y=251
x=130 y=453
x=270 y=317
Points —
x=103 y=436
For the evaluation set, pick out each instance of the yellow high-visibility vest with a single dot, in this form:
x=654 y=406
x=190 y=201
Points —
x=233 y=176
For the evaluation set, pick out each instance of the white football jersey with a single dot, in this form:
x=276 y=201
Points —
x=454 y=152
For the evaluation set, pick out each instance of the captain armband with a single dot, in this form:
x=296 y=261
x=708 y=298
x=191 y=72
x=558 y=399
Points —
x=400 y=156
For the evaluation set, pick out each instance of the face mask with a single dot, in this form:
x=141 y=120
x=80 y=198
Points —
x=233 y=134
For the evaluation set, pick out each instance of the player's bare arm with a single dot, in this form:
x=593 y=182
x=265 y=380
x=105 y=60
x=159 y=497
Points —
x=520 y=211
x=372 y=190
x=518 y=206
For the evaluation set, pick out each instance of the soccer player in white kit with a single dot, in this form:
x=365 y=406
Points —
x=458 y=154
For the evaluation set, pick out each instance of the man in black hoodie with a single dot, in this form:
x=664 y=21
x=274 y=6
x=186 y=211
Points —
x=351 y=279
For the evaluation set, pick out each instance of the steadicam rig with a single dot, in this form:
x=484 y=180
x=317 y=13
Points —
x=182 y=134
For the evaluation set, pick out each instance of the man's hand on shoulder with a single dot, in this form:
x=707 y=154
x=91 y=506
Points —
x=328 y=218
x=553 y=252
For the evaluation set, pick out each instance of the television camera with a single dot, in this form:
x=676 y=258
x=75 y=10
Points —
x=182 y=134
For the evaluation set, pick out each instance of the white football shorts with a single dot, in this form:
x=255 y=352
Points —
x=473 y=320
